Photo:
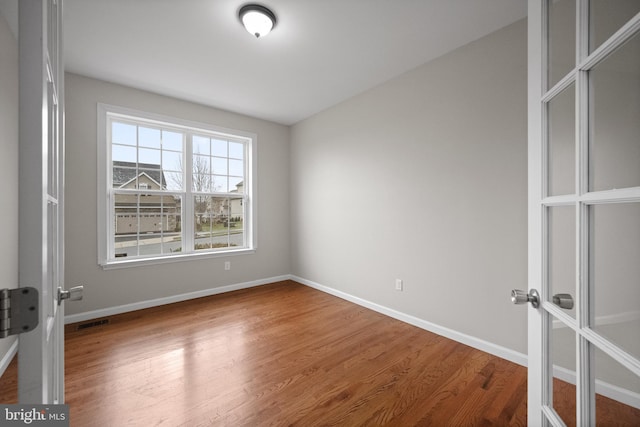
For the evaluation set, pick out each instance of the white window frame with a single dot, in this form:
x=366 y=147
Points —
x=106 y=252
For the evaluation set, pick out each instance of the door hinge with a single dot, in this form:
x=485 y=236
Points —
x=18 y=311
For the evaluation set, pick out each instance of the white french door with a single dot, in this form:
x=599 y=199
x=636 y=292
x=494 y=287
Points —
x=41 y=351
x=584 y=208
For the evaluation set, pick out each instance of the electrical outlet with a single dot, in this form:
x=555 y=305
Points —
x=227 y=265
x=398 y=284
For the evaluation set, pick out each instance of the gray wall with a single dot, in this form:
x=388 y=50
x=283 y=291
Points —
x=423 y=178
x=8 y=165
x=104 y=289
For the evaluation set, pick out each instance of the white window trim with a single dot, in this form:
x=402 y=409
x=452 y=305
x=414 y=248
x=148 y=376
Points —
x=104 y=159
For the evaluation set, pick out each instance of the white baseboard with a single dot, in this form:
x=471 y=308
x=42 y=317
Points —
x=627 y=397
x=110 y=311
x=8 y=357
x=622 y=395
x=496 y=350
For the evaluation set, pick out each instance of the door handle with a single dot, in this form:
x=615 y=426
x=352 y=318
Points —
x=521 y=297
x=73 y=294
x=563 y=301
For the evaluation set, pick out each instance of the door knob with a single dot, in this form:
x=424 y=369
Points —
x=521 y=297
x=73 y=294
x=563 y=301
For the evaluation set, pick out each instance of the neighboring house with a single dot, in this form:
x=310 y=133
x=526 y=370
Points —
x=221 y=210
x=237 y=210
x=157 y=212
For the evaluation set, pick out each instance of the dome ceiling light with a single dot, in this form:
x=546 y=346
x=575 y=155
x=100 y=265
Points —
x=257 y=19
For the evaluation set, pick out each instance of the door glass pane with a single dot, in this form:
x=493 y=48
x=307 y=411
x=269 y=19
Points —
x=613 y=383
x=563 y=360
x=607 y=16
x=615 y=274
x=562 y=39
x=615 y=112
x=562 y=137
x=562 y=254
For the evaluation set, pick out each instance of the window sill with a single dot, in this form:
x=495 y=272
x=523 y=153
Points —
x=139 y=262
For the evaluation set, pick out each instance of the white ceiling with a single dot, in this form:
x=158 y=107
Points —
x=320 y=53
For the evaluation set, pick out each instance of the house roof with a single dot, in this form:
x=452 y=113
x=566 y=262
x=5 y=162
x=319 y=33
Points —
x=125 y=172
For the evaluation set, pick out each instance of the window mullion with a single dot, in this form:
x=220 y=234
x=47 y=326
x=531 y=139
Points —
x=188 y=208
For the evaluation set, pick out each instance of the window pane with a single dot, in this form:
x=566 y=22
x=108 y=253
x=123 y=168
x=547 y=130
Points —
x=236 y=222
x=150 y=226
x=236 y=185
x=171 y=140
x=150 y=213
x=124 y=175
x=201 y=164
x=236 y=150
x=220 y=166
x=153 y=177
x=122 y=133
x=201 y=145
x=171 y=160
x=615 y=138
x=146 y=224
x=149 y=245
x=144 y=164
x=212 y=220
x=201 y=183
x=125 y=246
x=174 y=181
x=151 y=157
x=219 y=148
x=170 y=226
x=202 y=219
x=126 y=225
x=220 y=184
x=123 y=153
x=148 y=137
x=201 y=204
x=236 y=167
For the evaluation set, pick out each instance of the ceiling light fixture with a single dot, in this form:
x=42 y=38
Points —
x=257 y=19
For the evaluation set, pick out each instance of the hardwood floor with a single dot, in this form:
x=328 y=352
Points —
x=280 y=354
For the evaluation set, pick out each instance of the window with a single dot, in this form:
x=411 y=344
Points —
x=171 y=189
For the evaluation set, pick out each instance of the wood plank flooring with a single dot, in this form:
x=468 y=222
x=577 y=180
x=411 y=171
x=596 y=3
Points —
x=280 y=354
